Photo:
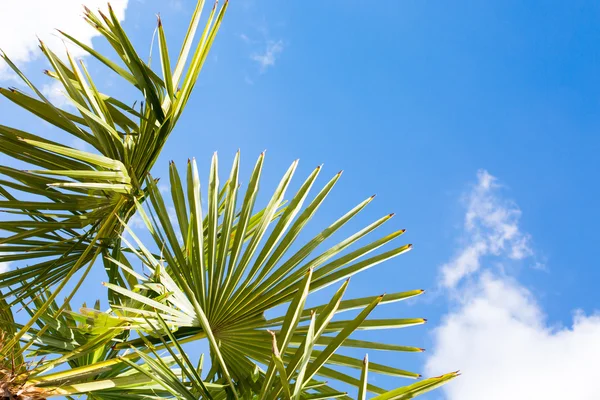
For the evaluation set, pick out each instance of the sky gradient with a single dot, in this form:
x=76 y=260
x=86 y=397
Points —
x=475 y=122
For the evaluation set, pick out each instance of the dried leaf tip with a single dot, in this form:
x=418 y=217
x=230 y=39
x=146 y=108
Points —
x=275 y=349
x=372 y=197
x=391 y=215
x=159 y=20
x=366 y=359
x=422 y=350
x=341 y=172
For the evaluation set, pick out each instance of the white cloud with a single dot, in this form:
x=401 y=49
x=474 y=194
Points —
x=4 y=266
x=25 y=20
x=497 y=334
x=505 y=348
x=491 y=228
x=267 y=58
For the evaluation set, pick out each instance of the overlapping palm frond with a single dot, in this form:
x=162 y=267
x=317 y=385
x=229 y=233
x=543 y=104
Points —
x=164 y=370
x=227 y=271
x=67 y=204
x=208 y=282
x=281 y=380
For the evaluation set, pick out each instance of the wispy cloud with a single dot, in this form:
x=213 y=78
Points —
x=491 y=227
x=245 y=38
x=267 y=58
x=264 y=50
x=497 y=332
x=55 y=93
x=25 y=20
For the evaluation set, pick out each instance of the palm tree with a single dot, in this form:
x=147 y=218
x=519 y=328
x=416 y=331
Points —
x=214 y=276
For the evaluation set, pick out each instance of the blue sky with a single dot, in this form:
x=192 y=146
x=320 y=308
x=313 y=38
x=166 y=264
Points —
x=423 y=103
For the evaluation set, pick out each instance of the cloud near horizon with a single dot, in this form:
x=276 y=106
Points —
x=496 y=332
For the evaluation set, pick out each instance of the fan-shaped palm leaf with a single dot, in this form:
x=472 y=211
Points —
x=209 y=282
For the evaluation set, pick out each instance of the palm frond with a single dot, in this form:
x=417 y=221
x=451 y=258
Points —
x=68 y=205
x=215 y=280
x=229 y=272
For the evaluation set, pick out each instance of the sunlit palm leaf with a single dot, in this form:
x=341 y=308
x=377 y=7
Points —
x=216 y=270
x=208 y=281
x=66 y=207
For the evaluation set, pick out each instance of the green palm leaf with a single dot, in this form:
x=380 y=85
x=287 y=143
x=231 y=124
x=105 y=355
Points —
x=216 y=271
x=214 y=283
x=88 y=191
